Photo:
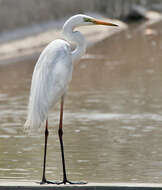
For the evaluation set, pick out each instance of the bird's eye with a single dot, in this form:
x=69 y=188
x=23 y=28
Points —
x=87 y=19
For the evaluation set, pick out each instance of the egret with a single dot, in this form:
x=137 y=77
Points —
x=51 y=76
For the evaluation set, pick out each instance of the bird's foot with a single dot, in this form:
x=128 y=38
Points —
x=44 y=181
x=71 y=182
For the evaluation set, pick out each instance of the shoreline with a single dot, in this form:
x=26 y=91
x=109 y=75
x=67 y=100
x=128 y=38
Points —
x=27 y=43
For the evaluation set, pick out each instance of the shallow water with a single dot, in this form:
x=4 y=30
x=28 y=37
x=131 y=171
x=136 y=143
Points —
x=112 y=120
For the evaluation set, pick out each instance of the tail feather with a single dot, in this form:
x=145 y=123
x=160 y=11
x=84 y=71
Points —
x=34 y=121
x=31 y=126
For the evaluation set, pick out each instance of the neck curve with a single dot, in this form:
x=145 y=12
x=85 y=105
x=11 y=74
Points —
x=74 y=37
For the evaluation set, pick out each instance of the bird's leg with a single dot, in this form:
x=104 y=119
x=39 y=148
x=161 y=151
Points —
x=60 y=133
x=45 y=152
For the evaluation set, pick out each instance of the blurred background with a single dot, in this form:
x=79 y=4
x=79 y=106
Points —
x=113 y=109
x=18 y=13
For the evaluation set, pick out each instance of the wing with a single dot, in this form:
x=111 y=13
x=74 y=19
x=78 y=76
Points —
x=50 y=79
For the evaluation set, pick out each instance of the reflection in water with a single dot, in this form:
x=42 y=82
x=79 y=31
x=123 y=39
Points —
x=112 y=121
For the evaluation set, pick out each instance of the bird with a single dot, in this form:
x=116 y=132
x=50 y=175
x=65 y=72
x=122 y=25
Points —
x=51 y=77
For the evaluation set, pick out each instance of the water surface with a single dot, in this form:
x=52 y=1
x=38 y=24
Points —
x=112 y=120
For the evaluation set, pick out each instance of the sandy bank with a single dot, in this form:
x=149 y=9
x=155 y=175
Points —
x=28 y=43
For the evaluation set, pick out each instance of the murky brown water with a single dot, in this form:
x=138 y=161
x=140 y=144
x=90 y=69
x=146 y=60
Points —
x=113 y=115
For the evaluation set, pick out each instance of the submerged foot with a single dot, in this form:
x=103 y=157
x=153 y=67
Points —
x=72 y=182
x=44 y=181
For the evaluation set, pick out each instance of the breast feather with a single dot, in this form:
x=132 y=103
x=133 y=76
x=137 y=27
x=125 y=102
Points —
x=50 y=79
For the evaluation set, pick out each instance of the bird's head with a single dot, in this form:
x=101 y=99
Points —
x=82 y=20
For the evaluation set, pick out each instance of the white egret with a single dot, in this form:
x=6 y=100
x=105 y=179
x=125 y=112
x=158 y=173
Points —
x=51 y=76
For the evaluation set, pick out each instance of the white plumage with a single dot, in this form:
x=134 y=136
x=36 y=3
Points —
x=52 y=73
x=53 y=70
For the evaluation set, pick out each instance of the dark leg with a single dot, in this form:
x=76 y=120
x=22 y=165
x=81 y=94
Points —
x=45 y=152
x=60 y=133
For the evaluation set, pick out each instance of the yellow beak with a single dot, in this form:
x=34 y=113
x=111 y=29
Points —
x=100 y=22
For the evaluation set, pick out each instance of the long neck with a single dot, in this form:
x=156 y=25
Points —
x=74 y=37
